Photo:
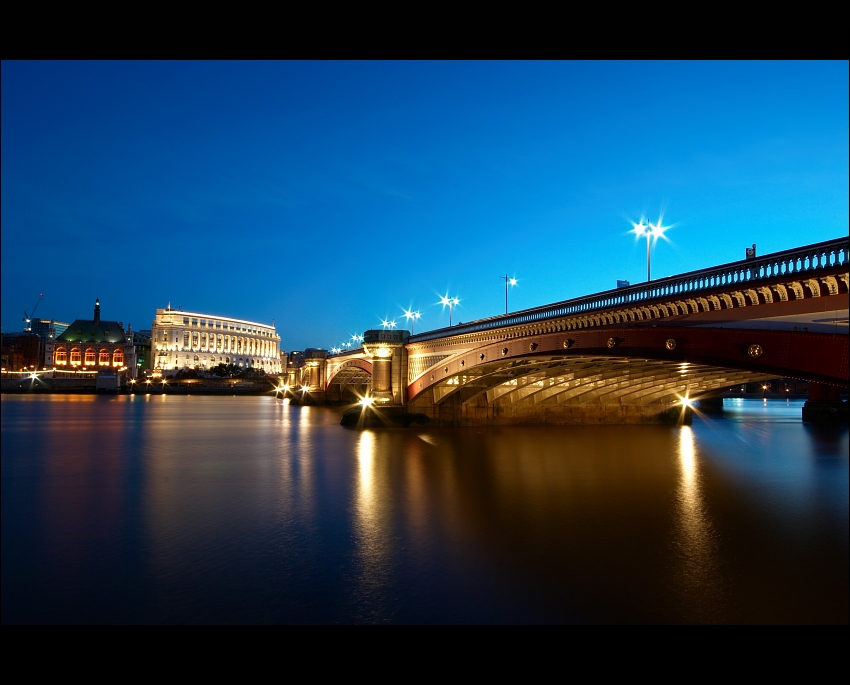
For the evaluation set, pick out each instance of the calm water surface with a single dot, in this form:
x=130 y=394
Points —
x=152 y=509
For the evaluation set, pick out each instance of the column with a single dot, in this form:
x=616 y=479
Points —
x=389 y=362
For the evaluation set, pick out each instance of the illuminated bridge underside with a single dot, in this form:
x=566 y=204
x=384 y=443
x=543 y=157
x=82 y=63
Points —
x=580 y=380
x=615 y=375
x=353 y=375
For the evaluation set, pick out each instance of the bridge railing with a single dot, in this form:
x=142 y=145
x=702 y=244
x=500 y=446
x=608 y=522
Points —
x=794 y=263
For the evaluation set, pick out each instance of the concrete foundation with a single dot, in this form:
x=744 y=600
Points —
x=826 y=411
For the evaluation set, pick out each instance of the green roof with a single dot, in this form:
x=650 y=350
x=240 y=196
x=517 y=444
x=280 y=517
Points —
x=87 y=331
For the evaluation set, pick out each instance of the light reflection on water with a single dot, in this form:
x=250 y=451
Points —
x=155 y=509
x=700 y=582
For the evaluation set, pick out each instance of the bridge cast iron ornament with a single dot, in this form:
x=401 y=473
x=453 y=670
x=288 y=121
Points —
x=755 y=350
x=670 y=344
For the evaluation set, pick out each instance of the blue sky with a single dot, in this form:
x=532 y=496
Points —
x=327 y=196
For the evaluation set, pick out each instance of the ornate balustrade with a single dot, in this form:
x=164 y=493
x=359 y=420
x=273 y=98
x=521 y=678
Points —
x=800 y=262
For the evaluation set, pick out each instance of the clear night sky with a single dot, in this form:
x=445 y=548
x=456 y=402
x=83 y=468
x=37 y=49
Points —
x=327 y=196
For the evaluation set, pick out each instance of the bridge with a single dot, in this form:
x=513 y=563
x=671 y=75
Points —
x=630 y=355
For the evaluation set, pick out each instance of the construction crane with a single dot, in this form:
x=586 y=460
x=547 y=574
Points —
x=28 y=317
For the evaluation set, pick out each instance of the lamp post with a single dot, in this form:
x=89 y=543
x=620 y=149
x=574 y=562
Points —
x=508 y=281
x=450 y=301
x=411 y=316
x=644 y=228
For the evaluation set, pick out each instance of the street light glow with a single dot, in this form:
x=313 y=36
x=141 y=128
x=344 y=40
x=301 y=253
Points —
x=386 y=323
x=412 y=316
x=451 y=302
x=652 y=232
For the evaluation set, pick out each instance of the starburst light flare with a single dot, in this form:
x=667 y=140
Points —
x=652 y=232
x=412 y=316
x=451 y=302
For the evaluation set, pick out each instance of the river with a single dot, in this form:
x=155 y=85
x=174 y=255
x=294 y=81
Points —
x=250 y=510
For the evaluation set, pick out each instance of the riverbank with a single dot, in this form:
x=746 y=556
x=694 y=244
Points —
x=60 y=386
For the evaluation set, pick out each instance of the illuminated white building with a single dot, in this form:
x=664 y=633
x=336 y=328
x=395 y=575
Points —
x=191 y=340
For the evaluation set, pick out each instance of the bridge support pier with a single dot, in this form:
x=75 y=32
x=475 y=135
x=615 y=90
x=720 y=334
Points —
x=824 y=404
x=313 y=377
x=388 y=355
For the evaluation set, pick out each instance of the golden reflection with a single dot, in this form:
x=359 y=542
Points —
x=373 y=542
x=365 y=462
x=699 y=576
x=687 y=461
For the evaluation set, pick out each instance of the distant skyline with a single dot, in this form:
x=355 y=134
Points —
x=329 y=196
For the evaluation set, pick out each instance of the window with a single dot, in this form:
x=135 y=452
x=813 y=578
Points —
x=103 y=358
x=90 y=357
x=75 y=357
x=118 y=358
x=61 y=356
x=185 y=338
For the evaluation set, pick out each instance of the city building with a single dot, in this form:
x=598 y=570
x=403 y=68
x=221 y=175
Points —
x=192 y=340
x=92 y=345
x=144 y=358
x=48 y=329
x=20 y=352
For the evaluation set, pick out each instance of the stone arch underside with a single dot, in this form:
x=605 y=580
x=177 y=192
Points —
x=580 y=380
x=354 y=372
x=613 y=375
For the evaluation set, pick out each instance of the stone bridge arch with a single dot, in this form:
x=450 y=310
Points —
x=613 y=375
x=349 y=380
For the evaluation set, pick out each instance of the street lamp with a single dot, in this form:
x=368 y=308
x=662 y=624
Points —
x=508 y=281
x=411 y=316
x=386 y=323
x=450 y=301
x=644 y=228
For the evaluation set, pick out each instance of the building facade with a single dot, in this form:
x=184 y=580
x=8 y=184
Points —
x=21 y=352
x=191 y=340
x=142 y=344
x=48 y=329
x=92 y=345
